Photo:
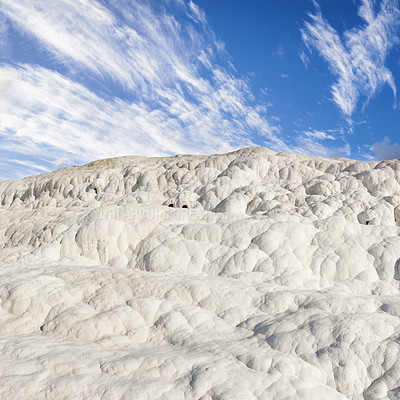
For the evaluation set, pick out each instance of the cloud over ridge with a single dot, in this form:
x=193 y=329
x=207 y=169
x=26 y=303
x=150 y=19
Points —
x=177 y=89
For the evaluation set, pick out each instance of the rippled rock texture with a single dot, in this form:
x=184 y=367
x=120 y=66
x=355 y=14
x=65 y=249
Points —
x=248 y=275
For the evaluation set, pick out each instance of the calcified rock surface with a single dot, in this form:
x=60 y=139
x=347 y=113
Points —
x=280 y=280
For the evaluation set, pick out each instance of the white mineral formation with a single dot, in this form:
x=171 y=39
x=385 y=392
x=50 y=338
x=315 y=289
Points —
x=248 y=275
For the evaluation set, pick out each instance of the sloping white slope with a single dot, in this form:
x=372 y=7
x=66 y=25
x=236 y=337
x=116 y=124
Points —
x=280 y=280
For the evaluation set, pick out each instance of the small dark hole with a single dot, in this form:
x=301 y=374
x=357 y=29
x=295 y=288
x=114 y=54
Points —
x=184 y=206
x=366 y=222
x=170 y=205
x=41 y=328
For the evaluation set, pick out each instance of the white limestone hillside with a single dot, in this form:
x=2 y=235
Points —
x=248 y=275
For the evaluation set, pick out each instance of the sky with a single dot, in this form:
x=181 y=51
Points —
x=82 y=80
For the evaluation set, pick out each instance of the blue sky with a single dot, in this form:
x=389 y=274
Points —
x=89 y=79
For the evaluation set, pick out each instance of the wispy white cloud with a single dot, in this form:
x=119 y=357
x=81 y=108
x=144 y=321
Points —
x=330 y=143
x=280 y=51
x=8 y=76
x=45 y=112
x=178 y=92
x=314 y=133
x=196 y=13
x=357 y=57
x=146 y=50
x=310 y=146
x=3 y=34
x=386 y=150
x=304 y=58
x=34 y=166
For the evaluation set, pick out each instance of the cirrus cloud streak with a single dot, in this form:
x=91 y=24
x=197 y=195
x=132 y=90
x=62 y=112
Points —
x=163 y=84
x=357 y=57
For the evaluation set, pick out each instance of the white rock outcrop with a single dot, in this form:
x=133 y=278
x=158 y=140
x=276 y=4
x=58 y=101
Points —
x=248 y=275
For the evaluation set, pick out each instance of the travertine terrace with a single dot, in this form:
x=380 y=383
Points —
x=248 y=275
